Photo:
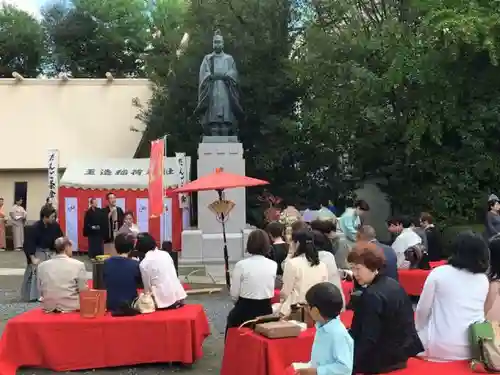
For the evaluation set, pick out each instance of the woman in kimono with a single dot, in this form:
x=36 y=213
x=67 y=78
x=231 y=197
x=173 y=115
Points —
x=129 y=227
x=18 y=217
x=3 y=220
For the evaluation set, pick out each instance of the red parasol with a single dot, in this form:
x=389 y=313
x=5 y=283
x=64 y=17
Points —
x=219 y=181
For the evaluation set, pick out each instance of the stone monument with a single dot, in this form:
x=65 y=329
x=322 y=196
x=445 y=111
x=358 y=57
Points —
x=219 y=111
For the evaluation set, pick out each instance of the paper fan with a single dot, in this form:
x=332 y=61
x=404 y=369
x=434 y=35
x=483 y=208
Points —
x=221 y=207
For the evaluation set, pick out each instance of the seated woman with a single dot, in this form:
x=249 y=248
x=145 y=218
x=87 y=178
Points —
x=159 y=275
x=492 y=306
x=61 y=279
x=453 y=298
x=252 y=282
x=121 y=275
x=302 y=271
x=279 y=248
x=321 y=243
x=129 y=227
x=383 y=328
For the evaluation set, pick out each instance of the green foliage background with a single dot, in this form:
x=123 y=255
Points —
x=335 y=92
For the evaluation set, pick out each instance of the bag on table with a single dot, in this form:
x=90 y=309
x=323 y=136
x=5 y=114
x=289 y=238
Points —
x=484 y=339
x=92 y=303
x=145 y=303
x=300 y=313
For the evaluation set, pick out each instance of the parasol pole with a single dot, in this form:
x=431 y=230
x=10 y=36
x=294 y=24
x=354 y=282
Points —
x=226 y=255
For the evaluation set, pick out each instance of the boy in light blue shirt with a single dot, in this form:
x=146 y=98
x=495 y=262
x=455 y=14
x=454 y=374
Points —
x=333 y=348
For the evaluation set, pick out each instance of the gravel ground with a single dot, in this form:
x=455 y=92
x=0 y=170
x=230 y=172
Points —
x=216 y=307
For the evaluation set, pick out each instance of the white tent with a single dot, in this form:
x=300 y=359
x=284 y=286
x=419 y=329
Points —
x=118 y=173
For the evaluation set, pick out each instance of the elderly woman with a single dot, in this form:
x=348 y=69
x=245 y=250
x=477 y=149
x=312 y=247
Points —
x=492 y=224
x=383 y=327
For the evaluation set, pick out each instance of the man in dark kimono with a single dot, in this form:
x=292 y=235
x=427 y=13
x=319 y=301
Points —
x=92 y=229
x=113 y=221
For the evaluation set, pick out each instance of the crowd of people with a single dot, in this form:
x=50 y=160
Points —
x=307 y=261
x=386 y=330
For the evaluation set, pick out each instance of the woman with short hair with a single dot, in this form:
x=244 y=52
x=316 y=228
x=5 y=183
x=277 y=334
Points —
x=492 y=224
x=252 y=281
x=383 y=327
x=453 y=298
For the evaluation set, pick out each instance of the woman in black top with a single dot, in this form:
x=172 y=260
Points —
x=279 y=248
x=434 y=245
x=383 y=326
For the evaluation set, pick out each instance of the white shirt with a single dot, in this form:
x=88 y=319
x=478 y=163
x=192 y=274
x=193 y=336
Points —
x=333 y=272
x=253 y=278
x=451 y=301
x=298 y=277
x=159 y=278
x=406 y=239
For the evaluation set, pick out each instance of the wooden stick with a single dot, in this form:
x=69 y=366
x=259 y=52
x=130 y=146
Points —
x=203 y=291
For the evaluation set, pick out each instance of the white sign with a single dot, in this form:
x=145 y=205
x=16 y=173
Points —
x=71 y=206
x=181 y=159
x=53 y=175
x=142 y=214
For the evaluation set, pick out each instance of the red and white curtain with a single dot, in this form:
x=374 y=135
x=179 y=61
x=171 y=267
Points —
x=74 y=202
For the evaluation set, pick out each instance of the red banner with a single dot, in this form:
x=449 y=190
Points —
x=155 y=187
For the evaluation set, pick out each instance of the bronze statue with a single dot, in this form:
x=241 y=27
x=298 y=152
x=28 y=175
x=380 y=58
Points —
x=219 y=105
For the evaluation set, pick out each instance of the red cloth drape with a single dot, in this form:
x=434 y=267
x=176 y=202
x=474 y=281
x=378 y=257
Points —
x=155 y=187
x=248 y=353
x=66 y=342
x=130 y=196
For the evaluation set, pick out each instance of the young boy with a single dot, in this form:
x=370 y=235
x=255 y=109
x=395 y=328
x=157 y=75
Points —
x=333 y=348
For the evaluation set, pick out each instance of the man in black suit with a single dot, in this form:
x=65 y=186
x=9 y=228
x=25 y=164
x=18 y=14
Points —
x=112 y=223
x=92 y=229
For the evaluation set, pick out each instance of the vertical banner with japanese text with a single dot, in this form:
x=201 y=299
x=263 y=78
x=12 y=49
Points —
x=71 y=230
x=53 y=175
x=180 y=157
x=156 y=170
x=142 y=214
x=166 y=221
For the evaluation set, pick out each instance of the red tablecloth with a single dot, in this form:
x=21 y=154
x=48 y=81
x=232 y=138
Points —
x=248 y=353
x=90 y=284
x=421 y=367
x=413 y=280
x=64 y=342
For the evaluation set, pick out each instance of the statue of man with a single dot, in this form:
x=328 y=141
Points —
x=218 y=96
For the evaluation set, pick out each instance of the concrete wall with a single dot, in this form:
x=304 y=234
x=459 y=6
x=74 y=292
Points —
x=83 y=118
x=37 y=189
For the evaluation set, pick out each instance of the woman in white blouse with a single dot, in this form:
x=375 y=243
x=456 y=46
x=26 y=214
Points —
x=302 y=271
x=252 y=281
x=453 y=298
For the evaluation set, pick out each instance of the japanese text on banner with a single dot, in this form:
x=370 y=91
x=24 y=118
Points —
x=53 y=175
x=180 y=157
x=155 y=188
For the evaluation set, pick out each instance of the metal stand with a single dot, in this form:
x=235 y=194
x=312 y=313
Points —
x=226 y=254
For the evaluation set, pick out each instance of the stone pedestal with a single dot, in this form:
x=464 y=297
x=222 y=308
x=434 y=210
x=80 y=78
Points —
x=205 y=244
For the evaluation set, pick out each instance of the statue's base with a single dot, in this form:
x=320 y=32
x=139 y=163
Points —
x=219 y=139
x=200 y=248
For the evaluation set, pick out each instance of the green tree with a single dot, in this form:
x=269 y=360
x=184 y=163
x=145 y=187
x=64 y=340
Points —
x=91 y=37
x=257 y=34
x=21 y=43
x=409 y=90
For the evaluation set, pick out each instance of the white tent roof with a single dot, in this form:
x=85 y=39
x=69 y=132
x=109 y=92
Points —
x=118 y=173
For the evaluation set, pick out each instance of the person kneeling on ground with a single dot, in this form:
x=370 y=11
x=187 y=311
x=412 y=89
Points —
x=159 y=275
x=121 y=275
x=61 y=279
x=333 y=347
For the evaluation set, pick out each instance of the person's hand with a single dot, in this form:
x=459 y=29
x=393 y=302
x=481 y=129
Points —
x=306 y=371
x=35 y=261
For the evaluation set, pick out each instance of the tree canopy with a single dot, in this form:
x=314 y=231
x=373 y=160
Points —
x=334 y=92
